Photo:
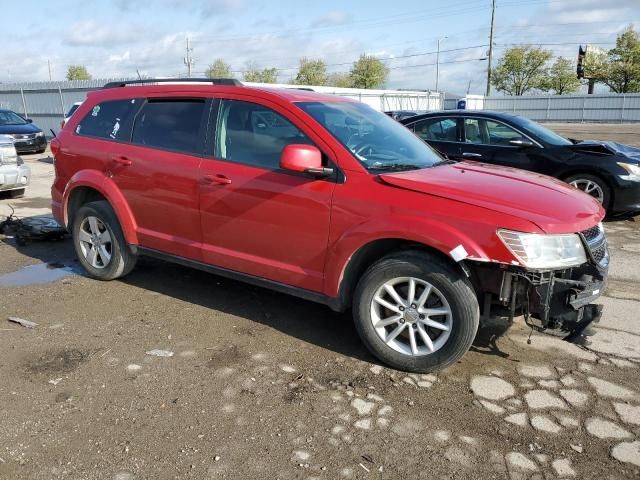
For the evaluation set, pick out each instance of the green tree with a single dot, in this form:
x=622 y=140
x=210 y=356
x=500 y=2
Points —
x=521 y=69
x=219 y=69
x=623 y=73
x=311 y=72
x=368 y=72
x=340 y=79
x=562 y=77
x=266 y=75
x=78 y=72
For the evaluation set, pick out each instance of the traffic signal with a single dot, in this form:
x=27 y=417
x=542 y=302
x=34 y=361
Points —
x=582 y=53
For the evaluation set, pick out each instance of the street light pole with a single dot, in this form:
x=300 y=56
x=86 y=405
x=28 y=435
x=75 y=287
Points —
x=438 y=62
x=493 y=17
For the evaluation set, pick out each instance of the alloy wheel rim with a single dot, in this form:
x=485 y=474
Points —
x=95 y=242
x=411 y=316
x=589 y=187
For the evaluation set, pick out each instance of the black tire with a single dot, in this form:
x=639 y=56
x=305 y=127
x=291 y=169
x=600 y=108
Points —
x=42 y=151
x=122 y=260
x=17 y=193
x=450 y=283
x=606 y=191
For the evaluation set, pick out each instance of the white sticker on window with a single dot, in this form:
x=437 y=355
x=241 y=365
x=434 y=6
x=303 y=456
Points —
x=95 y=111
x=116 y=127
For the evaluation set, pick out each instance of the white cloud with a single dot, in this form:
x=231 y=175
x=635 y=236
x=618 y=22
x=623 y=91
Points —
x=331 y=19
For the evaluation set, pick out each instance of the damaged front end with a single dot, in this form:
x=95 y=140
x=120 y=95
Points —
x=558 y=302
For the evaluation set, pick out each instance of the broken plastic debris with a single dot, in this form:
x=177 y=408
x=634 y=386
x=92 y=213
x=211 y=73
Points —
x=459 y=253
x=56 y=381
x=23 y=322
x=160 y=353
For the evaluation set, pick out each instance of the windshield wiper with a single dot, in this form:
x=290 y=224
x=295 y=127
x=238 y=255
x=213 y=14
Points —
x=395 y=166
x=446 y=161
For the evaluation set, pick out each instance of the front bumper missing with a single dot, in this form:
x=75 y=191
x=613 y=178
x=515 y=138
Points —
x=561 y=303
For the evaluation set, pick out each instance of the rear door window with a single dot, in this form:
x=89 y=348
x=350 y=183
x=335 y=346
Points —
x=106 y=119
x=170 y=124
x=436 y=129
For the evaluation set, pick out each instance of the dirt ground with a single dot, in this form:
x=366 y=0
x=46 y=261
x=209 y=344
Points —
x=265 y=386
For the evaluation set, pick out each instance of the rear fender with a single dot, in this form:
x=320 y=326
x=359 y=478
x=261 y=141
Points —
x=109 y=190
x=428 y=232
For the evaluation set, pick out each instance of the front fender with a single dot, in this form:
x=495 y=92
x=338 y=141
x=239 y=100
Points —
x=430 y=232
x=109 y=190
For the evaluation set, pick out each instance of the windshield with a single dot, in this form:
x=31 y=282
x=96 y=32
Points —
x=543 y=133
x=10 y=118
x=375 y=140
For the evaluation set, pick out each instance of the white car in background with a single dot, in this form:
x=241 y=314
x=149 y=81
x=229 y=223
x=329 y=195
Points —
x=67 y=115
x=14 y=174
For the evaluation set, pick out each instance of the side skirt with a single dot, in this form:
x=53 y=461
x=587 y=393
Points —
x=333 y=303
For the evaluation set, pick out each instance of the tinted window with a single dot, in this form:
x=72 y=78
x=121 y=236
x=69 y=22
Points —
x=375 y=140
x=438 y=129
x=169 y=124
x=541 y=132
x=71 y=111
x=105 y=120
x=487 y=132
x=253 y=134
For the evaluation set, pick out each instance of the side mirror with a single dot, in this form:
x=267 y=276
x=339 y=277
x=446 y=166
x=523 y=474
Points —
x=522 y=142
x=303 y=159
x=29 y=120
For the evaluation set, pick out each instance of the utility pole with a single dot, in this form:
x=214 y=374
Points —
x=49 y=66
x=438 y=62
x=493 y=16
x=188 y=60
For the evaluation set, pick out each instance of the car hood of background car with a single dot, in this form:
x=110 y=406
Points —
x=552 y=205
x=26 y=128
x=607 y=148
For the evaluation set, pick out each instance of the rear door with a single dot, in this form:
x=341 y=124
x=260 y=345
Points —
x=441 y=133
x=158 y=173
x=256 y=218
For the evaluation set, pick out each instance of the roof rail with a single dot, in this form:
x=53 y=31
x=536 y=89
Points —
x=213 y=81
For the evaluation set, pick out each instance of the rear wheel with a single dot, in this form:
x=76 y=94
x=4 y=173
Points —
x=415 y=312
x=592 y=185
x=99 y=242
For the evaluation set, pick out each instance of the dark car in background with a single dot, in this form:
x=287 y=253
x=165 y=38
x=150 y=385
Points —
x=401 y=114
x=608 y=171
x=27 y=138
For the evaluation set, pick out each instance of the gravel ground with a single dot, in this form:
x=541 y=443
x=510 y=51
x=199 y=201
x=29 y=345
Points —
x=262 y=385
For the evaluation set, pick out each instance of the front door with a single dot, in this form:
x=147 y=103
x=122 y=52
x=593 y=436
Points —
x=489 y=141
x=256 y=218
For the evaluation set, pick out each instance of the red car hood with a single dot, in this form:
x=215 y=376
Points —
x=552 y=205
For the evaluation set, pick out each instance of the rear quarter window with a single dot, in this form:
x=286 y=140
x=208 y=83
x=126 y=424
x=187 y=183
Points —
x=105 y=120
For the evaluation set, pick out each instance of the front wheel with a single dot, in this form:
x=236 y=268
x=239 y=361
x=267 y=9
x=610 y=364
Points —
x=99 y=242
x=415 y=312
x=592 y=185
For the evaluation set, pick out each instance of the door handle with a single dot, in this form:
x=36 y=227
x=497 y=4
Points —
x=121 y=160
x=218 y=179
x=471 y=155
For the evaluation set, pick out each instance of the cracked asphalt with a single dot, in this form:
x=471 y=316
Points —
x=262 y=385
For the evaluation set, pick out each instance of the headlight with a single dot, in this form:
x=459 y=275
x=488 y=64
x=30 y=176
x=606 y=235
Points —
x=8 y=154
x=534 y=250
x=632 y=169
x=40 y=134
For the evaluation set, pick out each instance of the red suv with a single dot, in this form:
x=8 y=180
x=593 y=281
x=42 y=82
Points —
x=325 y=198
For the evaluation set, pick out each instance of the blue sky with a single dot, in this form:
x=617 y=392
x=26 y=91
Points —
x=116 y=38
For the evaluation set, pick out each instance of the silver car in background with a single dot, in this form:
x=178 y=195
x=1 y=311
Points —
x=14 y=174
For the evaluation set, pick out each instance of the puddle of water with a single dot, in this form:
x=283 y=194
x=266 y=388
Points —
x=36 y=275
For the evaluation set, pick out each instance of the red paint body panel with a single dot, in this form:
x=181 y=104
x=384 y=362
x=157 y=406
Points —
x=295 y=229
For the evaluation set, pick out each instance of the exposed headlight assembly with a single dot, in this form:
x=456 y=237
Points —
x=540 y=251
x=8 y=155
x=632 y=169
x=40 y=134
